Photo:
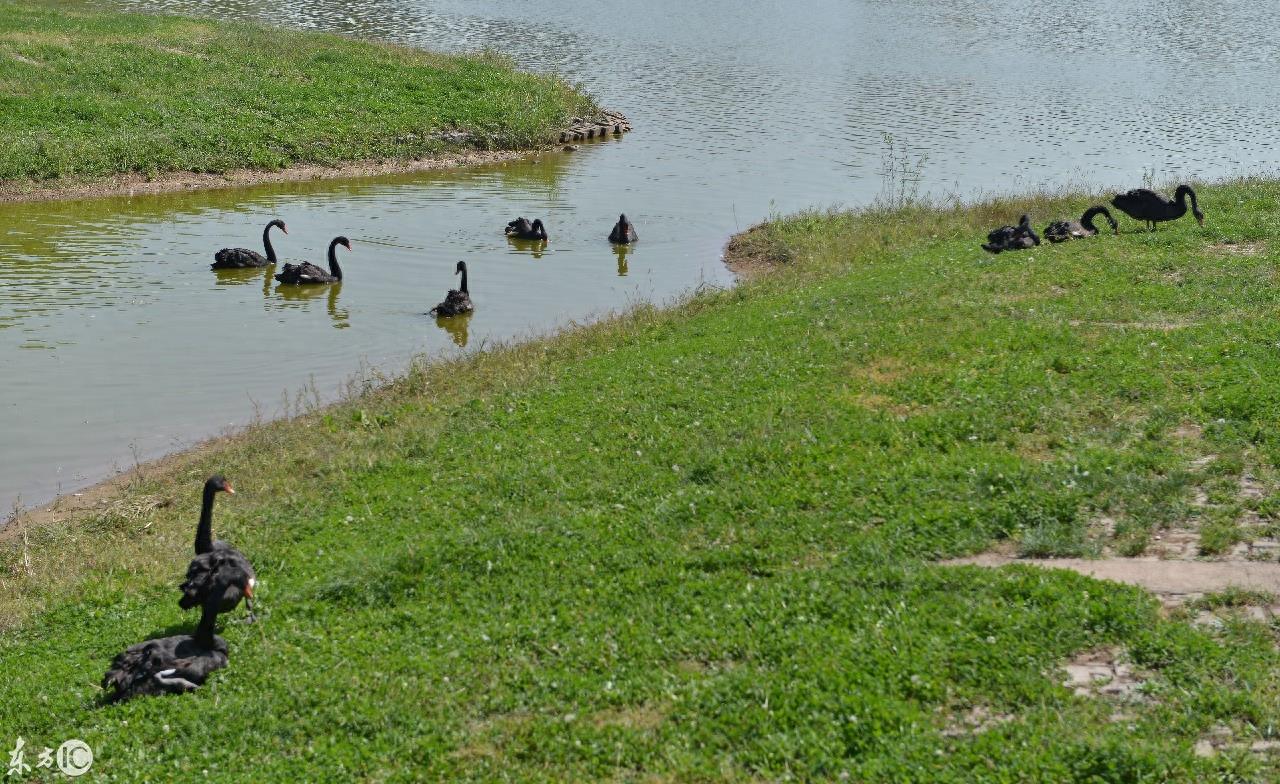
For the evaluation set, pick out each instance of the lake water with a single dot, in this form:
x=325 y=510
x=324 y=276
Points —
x=117 y=343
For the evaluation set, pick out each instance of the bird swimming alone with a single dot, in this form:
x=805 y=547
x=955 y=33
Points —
x=624 y=232
x=1149 y=206
x=241 y=258
x=522 y=229
x=215 y=560
x=307 y=273
x=176 y=664
x=457 y=301
x=1020 y=237
x=1061 y=231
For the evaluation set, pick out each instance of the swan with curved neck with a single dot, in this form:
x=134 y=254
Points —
x=457 y=301
x=241 y=258
x=1152 y=208
x=309 y=274
x=522 y=229
x=1061 y=231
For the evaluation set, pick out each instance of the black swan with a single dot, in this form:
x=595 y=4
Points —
x=239 y=258
x=457 y=301
x=1144 y=205
x=522 y=229
x=214 y=560
x=1061 y=231
x=177 y=664
x=623 y=232
x=308 y=273
x=1018 y=237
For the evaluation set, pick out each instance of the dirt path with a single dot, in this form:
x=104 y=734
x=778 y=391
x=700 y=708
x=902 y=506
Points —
x=1173 y=581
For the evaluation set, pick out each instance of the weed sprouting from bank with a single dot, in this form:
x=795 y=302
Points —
x=901 y=172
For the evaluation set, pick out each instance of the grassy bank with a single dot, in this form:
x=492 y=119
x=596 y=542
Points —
x=698 y=543
x=88 y=95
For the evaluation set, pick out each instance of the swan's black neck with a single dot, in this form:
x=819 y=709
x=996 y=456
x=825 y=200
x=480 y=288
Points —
x=464 y=281
x=1086 y=220
x=204 y=533
x=266 y=243
x=208 y=618
x=1183 y=192
x=334 y=269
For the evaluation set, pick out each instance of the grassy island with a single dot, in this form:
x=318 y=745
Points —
x=90 y=95
x=703 y=543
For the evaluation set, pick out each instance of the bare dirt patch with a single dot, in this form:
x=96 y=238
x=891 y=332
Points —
x=1174 y=581
x=884 y=370
x=1188 y=431
x=1102 y=673
x=635 y=717
x=1223 y=739
x=750 y=254
x=883 y=404
x=1169 y=325
x=27 y=60
x=974 y=721
x=141 y=185
x=1230 y=248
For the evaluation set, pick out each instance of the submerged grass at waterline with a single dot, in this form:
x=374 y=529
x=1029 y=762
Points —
x=89 y=94
x=697 y=543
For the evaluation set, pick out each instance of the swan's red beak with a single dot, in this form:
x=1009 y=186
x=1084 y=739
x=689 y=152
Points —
x=248 y=590
x=282 y=228
x=230 y=489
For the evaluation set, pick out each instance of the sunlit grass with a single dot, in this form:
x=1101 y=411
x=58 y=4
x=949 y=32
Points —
x=88 y=94
x=696 y=543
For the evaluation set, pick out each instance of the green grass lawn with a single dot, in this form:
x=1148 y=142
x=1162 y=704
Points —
x=89 y=94
x=697 y=543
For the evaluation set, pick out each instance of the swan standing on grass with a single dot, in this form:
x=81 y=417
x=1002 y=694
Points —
x=307 y=273
x=1018 y=237
x=1061 y=231
x=177 y=664
x=1145 y=205
x=457 y=301
x=240 y=258
x=216 y=562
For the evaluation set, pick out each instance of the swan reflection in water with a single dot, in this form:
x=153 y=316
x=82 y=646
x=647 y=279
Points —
x=622 y=251
x=241 y=276
x=457 y=327
x=301 y=296
x=534 y=248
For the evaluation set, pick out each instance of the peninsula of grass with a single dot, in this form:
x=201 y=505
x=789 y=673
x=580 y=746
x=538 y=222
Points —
x=88 y=95
x=700 y=543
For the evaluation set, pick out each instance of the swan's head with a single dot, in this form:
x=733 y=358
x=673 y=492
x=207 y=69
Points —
x=461 y=268
x=343 y=241
x=279 y=224
x=219 y=484
x=622 y=219
x=1199 y=216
